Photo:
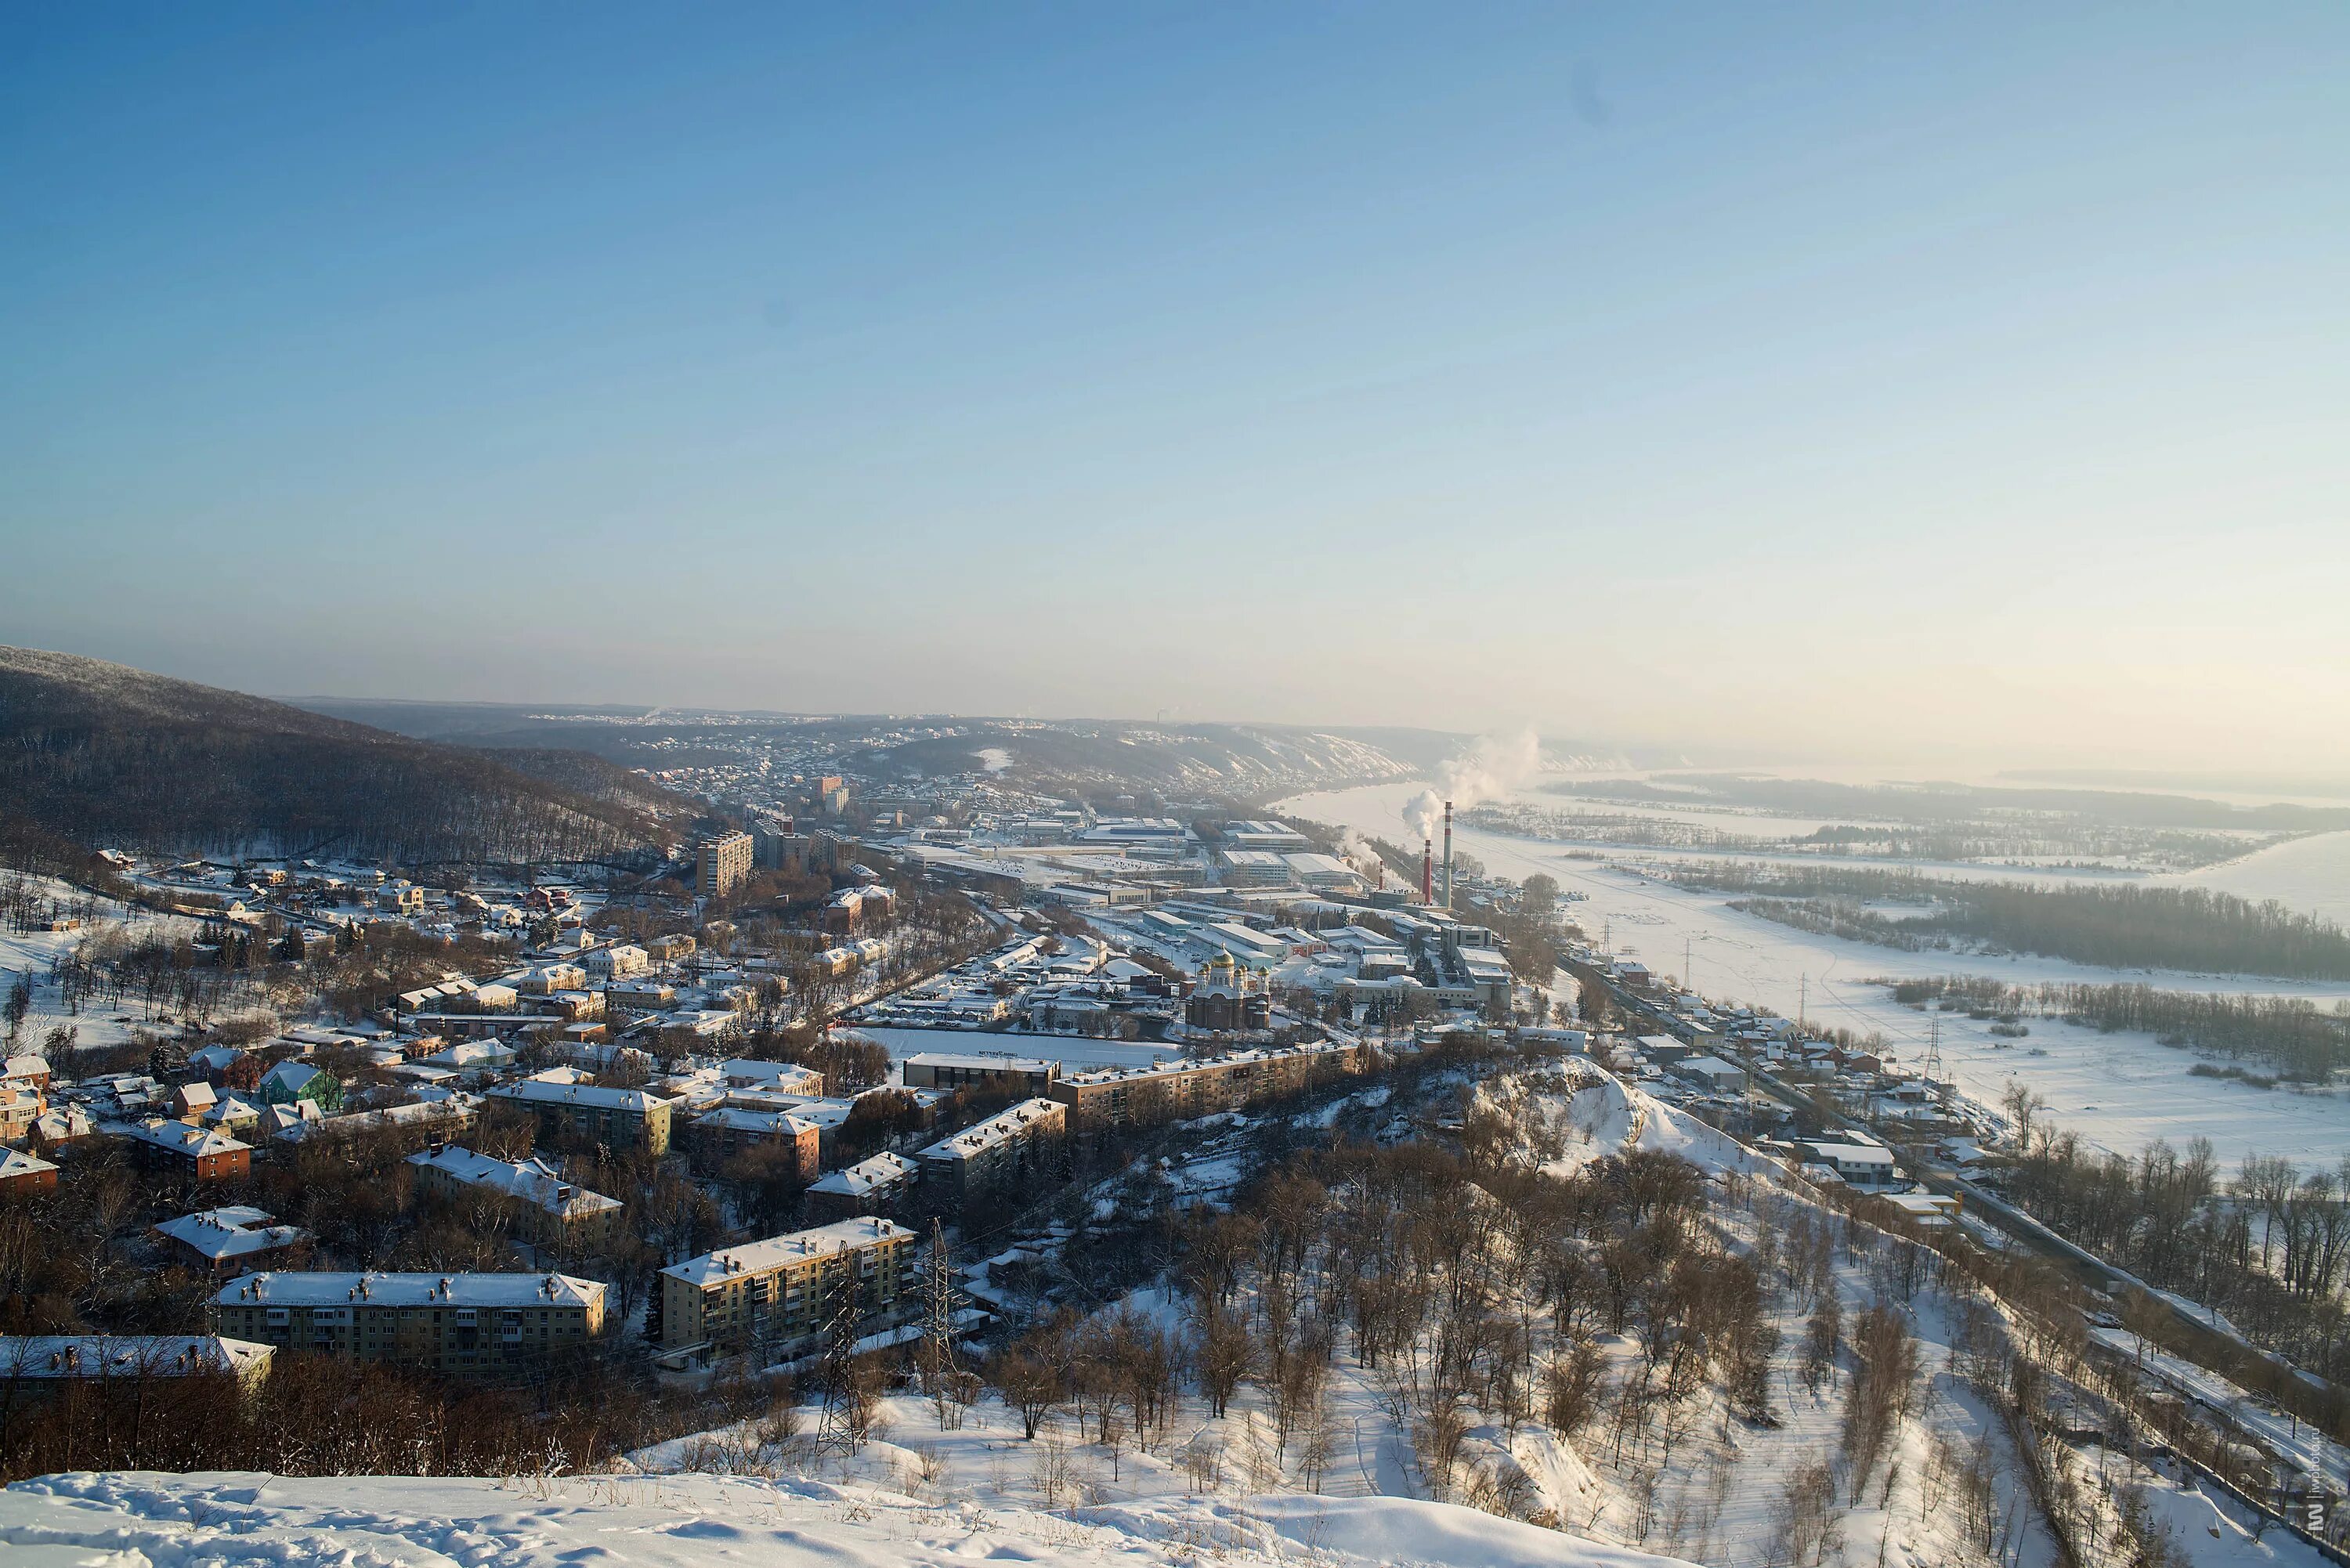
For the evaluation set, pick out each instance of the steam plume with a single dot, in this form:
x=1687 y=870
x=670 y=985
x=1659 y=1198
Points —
x=1491 y=767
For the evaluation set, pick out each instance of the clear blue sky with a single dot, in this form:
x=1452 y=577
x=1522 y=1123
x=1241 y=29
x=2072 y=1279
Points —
x=1816 y=377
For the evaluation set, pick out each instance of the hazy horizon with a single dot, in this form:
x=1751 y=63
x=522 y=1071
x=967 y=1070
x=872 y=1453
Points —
x=1913 y=388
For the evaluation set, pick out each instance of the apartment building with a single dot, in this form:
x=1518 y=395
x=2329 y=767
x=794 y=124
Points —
x=617 y=1118
x=777 y=1291
x=1181 y=1090
x=993 y=1158
x=720 y=862
x=868 y=1187
x=466 y=1325
x=31 y=1362
x=720 y=1135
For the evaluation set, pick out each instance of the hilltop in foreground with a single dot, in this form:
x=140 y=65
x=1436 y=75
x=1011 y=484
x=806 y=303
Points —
x=129 y=1521
x=109 y=756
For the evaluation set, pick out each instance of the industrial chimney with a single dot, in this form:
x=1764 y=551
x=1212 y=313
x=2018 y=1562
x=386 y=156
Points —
x=1426 y=872
x=1447 y=855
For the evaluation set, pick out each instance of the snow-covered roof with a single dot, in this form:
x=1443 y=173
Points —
x=125 y=1355
x=739 y=1120
x=862 y=1179
x=410 y=1290
x=980 y=1062
x=182 y=1138
x=16 y=1163
x=772 y=1075
x=538 y=1092
x=987 y=1135
x=533 y=1180
x=232 y=1231
x=757 y=1257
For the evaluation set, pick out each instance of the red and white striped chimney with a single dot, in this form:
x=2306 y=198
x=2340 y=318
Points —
x=1447 y=855
x=1426 y=872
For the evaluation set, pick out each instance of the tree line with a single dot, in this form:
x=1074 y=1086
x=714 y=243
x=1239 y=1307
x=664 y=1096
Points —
x=2302 y=1043
x=2118 y=926
x=2269 y=1247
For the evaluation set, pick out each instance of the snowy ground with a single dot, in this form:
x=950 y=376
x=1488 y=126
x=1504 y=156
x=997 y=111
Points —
x=1709 y=1492
x=135 y=1520
x=2117 y=1090
x=31 y=954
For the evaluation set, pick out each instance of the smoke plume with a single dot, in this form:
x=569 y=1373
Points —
x=1491 y=767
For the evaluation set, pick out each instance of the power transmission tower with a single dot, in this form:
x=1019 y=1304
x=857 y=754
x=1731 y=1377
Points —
x=841 y=1430
x=941 y=1300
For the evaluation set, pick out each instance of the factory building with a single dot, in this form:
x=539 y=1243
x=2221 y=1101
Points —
x=1014 y=1074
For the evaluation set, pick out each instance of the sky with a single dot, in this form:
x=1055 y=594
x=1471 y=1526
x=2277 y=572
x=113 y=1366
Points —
x=1901 y=382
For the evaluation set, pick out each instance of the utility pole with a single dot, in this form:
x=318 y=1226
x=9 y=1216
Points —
x=1802 y=1000
x=1689 y=966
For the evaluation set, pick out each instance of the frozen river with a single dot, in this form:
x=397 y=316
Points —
x=2117 y=1090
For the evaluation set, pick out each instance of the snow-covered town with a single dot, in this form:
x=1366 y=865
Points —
x=1197 y=787
x=886 y=1123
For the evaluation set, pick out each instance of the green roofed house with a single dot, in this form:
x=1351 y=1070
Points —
x=289 y=1082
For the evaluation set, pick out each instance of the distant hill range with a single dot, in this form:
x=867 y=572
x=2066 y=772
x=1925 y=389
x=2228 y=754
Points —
x=1059 y=755
x=109 y=756
x=1176 y=759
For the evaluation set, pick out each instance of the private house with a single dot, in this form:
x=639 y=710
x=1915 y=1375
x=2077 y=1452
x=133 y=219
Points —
x=22 y=1173
x=61 y=1124
x=203 y=1154
x=289 y=1082
x=19 y=1109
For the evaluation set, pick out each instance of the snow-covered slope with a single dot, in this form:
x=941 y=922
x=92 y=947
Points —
x=134 y=1521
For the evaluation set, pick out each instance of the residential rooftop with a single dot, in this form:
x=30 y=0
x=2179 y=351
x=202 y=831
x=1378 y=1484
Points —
x=456 y=1289
x=775 y=1252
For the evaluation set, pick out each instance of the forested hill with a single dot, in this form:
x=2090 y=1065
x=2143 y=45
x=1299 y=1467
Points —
x=114 y=757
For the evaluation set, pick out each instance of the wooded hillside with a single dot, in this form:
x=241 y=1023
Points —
x=114 y=757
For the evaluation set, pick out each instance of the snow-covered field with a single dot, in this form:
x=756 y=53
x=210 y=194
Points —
x=136 y=1520
x=2119 y=1090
